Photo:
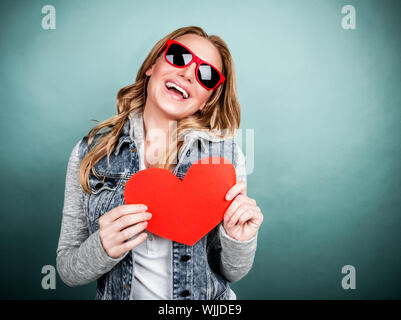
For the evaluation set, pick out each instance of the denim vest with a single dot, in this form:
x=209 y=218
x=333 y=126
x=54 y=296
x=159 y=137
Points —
x=195 y=269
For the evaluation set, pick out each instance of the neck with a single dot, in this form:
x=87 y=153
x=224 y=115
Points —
x=158 y=131
x=154 y=120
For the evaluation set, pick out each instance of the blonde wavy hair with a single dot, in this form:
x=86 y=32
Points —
x=221 y=113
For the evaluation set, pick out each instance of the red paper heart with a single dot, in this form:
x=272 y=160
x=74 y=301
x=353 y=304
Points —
x=183 y=210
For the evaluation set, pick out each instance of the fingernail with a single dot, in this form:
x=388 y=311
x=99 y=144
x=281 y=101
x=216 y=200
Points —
x=145 y=223
x=149 y=215
x=228 y=197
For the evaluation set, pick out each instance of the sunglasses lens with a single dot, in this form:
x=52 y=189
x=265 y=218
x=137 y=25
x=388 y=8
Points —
x=208 y=75
x=178 y=55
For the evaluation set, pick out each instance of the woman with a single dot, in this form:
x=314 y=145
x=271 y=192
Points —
x=185 y=88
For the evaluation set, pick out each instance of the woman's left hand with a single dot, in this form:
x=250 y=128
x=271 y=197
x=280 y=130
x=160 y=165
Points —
x=243 y=217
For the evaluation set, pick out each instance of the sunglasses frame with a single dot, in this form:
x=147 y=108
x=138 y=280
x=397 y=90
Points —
x=195 y=59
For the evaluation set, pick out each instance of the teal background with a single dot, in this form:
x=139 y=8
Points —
x=324 y=103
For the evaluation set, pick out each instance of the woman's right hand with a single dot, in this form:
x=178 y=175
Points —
x=120 y=224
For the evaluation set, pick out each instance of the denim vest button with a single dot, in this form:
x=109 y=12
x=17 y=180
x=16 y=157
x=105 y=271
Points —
x=125 y=286
x=185 y=293
x=185 y=258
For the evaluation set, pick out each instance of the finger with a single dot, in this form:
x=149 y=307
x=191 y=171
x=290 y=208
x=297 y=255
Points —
x=247 y=216
x=131 y=231
x=234 y=206
x=118 y=251
x=129 y=220
x=238 y=188
x=119 y=211
x=233 y=220
x=256 y=217
x=260 y=216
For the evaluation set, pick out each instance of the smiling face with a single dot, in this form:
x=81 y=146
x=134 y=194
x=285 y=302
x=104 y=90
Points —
x=166 y=81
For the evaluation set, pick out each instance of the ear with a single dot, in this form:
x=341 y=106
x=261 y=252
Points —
x=150 y=70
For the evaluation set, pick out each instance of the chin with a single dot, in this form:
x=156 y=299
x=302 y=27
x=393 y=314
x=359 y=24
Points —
x=172 y=110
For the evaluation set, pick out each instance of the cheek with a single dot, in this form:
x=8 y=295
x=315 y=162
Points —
x=160 y=68
x=203 y=96
x=156 y=77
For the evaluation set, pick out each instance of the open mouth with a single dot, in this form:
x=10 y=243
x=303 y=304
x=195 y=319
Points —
x=176 y=91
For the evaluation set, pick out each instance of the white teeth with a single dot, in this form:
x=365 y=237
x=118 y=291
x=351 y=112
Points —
x=173 y=85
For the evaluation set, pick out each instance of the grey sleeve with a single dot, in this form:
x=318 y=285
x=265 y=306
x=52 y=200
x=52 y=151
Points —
x=81 y=257
x=236 y=256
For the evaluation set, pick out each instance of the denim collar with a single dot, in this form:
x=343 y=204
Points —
x=133 y=131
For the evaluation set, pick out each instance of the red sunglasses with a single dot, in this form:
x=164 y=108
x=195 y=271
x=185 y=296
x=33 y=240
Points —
x=179 y=56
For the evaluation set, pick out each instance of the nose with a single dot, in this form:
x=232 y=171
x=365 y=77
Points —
x=188 y=73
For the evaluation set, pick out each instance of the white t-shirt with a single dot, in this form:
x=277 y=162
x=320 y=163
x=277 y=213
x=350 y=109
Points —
x=152 y=258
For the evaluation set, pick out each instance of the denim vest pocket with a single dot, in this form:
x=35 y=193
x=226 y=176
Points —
x=99 y=295
x=101 y=289
x=219 y=288
x=218 y=285
x=225 y=295
x=99 y=201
